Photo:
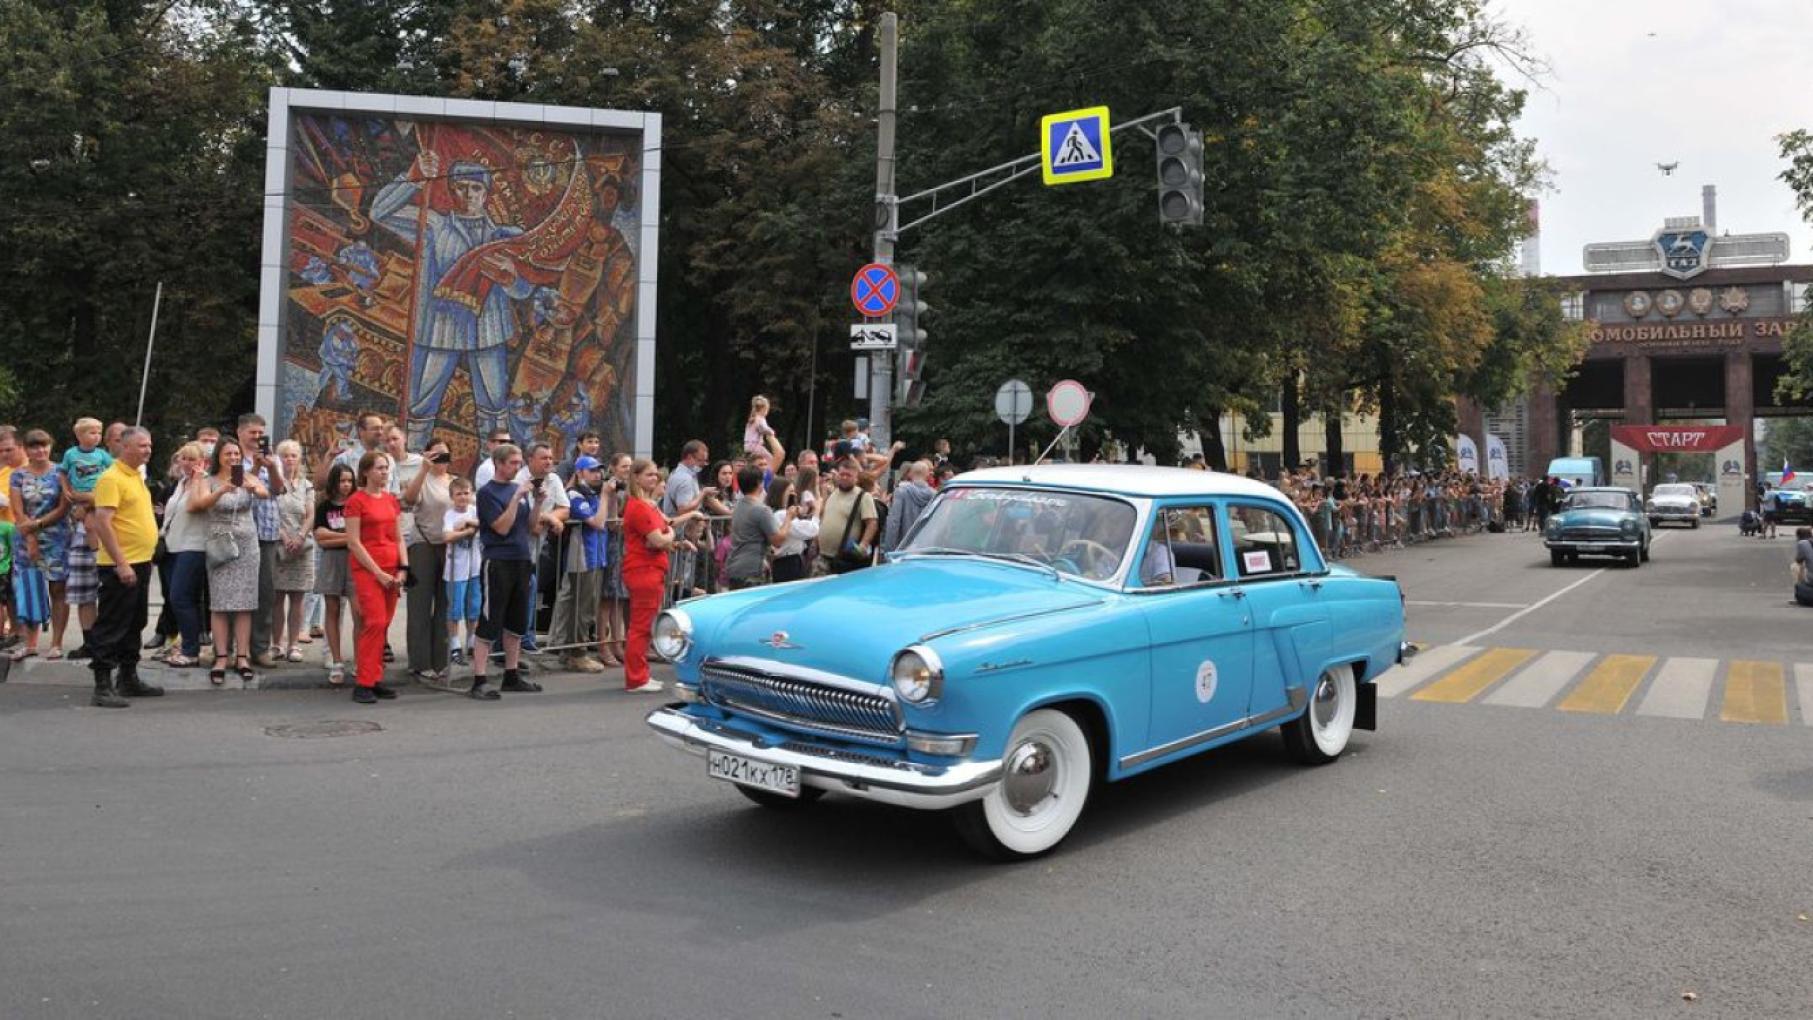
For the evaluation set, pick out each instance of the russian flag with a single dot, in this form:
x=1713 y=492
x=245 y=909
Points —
x=1787 y=471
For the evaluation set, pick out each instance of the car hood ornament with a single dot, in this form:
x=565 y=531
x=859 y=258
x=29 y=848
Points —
x=779 y=640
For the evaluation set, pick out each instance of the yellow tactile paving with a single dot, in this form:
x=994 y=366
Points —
x=1466 y=682
x=1755 y=692
x=1609 y=686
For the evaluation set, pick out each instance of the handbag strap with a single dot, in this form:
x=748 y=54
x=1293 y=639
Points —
x=850 y=522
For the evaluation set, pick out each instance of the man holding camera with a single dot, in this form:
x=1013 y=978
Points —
x=847 y=523
x=580 y=563
x=754 y=529
x=255 y=446
x=508 y=526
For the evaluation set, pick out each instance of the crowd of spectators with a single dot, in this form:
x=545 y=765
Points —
x=262 y=550
x=1357 y=513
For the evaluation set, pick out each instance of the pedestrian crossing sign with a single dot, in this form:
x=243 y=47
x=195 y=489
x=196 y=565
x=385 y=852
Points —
x=1075 y=146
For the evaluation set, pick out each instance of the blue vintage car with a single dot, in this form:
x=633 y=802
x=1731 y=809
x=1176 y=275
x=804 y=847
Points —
x=1600 y=521
x=1042 y=628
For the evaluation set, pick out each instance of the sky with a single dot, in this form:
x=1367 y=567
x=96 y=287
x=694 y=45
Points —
x=1633 y=83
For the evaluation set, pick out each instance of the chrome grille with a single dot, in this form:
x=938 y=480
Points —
x=807 y=704
x=1585 y=533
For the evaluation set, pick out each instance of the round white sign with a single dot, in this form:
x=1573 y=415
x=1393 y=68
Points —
x=1068 y=403
x=1013 y=402
x=1205 y=682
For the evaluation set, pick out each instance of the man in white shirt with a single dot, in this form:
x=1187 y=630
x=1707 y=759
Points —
x=552 y=505
x=683 y=491
x=487 y=471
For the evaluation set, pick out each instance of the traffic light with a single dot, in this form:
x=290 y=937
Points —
x=909 y=332
x=1179 y=175
x=912 y=388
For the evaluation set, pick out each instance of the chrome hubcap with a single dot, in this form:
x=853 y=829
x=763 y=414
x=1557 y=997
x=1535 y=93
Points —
x=1030 y=777
x=1328 y=699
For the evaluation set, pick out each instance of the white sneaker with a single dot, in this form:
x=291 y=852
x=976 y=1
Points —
x=652 y=687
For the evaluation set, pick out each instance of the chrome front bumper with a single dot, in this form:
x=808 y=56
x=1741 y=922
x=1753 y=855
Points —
x=859 y=773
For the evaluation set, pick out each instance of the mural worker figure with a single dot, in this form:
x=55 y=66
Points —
x=462 y=306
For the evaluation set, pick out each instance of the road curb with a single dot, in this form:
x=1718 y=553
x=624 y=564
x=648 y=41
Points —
x=288 y=677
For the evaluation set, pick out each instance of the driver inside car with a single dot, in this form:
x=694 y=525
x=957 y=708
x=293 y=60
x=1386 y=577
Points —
x=1155 y=568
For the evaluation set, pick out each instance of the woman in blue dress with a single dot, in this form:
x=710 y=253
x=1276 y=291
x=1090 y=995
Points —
x=40 y=547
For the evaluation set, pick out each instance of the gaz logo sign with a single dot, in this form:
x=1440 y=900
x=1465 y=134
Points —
x=1683 y=252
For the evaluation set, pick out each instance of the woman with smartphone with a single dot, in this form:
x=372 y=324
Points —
x=789 y=563
x=374 y=546
x=428 y=499
x=333 y=581
x=647 y=537
x=226 y=496
x=613 y=606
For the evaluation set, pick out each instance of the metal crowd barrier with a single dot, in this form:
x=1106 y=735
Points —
x=1400 y=521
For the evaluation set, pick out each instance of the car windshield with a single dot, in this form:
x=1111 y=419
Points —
x=1675 y=490
x=1597 y=501
x=1081 y=535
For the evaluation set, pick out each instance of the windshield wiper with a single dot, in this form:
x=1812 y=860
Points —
x=1012 y=557
x=1028 y=560
x=932 y=550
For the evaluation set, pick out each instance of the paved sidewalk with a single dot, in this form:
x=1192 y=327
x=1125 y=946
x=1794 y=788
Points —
x=305 y=675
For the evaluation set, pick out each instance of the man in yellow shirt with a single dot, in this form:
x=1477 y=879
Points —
x=127 y=530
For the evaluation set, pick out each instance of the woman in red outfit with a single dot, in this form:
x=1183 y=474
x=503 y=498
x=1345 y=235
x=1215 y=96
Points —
x=647 y=535
x=374 y=540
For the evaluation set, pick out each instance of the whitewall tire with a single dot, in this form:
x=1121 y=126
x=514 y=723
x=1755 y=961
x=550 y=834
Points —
x=1047 y=773
x=1321 y=733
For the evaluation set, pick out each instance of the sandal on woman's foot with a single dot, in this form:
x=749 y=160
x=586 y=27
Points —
x=21 y=654
x=218 y=675
x=243 y=667
x=336 y=675
x=53 y=653
x=177 y=660
x=294 y=654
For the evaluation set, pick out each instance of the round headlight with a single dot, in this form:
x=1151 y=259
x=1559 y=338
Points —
x=672 y=635
x=917 y=675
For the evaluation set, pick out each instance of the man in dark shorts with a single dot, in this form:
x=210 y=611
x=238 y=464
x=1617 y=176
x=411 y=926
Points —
x=507 y=526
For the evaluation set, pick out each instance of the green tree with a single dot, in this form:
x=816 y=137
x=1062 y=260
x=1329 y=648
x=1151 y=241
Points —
x=131 y=151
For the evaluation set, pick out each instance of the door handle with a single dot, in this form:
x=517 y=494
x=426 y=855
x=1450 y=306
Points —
x=1312 y=585
x=1232 y=593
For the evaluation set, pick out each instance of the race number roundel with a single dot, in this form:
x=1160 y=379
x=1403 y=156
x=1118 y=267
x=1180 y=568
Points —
x=875 y=290
x=1068 y=403
x=1206 y=681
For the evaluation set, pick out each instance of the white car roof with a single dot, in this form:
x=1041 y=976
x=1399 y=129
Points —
x=1126 y=479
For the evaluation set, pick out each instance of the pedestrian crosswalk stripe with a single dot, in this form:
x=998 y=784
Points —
x=1609 y=685
x=1418 y=670
x=1755 y=692
x=1682 y=689
x=1466 y=683
x=1541 y=680
x=1803 y=681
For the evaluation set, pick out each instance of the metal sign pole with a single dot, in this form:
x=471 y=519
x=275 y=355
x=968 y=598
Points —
x=881 y=367
x=145 y=379
x=1010 y=444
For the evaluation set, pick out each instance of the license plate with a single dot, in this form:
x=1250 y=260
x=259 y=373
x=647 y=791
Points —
x=1589 y=548
x=734 y=768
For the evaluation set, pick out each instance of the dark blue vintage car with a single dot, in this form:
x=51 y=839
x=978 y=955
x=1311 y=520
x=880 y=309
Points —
x=1041 y=630
x=1598 y=521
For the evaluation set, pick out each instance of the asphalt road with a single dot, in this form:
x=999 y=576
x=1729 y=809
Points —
x=546 y=857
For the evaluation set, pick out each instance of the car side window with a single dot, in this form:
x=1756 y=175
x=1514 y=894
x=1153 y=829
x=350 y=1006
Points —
x=1264 y=542
x=1181 y=548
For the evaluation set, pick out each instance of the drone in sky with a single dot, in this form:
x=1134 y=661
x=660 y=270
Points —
x=1668 y=169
